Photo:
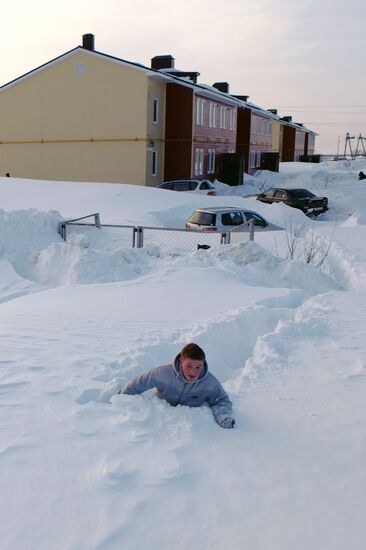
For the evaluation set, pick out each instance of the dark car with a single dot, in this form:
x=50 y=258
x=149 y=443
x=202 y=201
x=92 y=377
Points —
x=303 y=199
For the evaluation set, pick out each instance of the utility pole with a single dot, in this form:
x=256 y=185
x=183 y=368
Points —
x=361 y=141
x=347 y=141
x=339 y=141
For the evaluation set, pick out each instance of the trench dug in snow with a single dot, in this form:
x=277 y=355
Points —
x=231 y=338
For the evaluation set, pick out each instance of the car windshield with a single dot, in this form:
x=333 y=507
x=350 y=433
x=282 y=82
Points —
x=301 y=193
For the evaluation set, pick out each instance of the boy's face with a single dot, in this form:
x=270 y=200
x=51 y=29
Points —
x=191 y=368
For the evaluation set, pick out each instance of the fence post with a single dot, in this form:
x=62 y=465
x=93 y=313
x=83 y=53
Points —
x=62 y=230
x=225 y=238
x=140 y=237
x=134 y=231
x=97 y=220
x=251 y=230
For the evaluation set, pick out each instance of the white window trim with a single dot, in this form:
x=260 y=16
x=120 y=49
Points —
x=223 y=117
x=211 y=161
x=198 y=162
x=201 y=162
x=200 y=112
x=198 y=109
x=213 y=115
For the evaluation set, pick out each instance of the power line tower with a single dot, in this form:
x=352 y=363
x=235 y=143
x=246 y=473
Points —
x=347 y=141
x=361 y=141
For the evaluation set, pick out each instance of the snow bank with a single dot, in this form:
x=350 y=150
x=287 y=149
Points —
x=74 y=263
x=23 y=234
x=286 y=343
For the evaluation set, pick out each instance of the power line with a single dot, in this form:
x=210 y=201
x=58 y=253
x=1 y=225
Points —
x=332 y=112
x=336 y=123
x=318 y=106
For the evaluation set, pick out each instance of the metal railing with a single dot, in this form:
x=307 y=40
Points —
x=113 y=236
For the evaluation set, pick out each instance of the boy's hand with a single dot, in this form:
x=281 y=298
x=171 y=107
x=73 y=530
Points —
x=227 y=422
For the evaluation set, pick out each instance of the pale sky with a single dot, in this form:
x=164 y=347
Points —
x=305 y=58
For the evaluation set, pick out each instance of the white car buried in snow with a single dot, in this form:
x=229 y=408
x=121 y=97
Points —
x=222 y=219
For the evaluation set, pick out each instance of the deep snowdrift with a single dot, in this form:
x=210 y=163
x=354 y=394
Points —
x=82 y=467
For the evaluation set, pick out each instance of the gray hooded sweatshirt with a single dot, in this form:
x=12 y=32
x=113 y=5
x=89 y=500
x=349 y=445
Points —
x=172 y=386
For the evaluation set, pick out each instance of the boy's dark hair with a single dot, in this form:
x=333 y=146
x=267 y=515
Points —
x=192 y=351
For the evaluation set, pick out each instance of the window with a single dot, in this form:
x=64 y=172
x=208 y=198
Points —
x=258 y=220
x=232 y=218
x=200 y=111
x=231 y=119
x=203 y=218
x=154 y=167
x=223 y=117
x=155 y=109
x=198 y=162
x=181 y=186
x=252 y=159
x=211 y=161
x=80 y=68
x=212 y=115
x=269 y=194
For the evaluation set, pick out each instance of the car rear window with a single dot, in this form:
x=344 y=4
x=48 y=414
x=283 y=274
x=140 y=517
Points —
x=203 y=218
x=204 y=185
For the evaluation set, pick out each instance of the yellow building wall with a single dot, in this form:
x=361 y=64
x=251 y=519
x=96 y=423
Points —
x=56 y=124
x=276 y=128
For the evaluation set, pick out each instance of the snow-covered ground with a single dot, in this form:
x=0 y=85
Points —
x=82 y=468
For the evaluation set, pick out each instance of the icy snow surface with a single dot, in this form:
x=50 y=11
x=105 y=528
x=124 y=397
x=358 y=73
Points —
x=84 y=468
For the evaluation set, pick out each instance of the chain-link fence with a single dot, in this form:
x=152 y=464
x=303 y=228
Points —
x=111 y=237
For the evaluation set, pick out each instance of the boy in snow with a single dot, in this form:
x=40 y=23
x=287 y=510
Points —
x=186 y=381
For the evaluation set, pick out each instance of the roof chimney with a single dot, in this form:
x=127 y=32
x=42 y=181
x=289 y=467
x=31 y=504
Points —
x=222 y=87
x=273 y=111
x=162 y=62
x=242 y=97
x=88 y=42
x=287 y=118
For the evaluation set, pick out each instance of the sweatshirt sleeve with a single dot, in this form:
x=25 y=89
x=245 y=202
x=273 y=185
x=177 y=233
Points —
x=141 y=383
x=220 y=403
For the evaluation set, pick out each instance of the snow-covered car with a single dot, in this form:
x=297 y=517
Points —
x=202 y=187
x=303 y=199
x=228 y=218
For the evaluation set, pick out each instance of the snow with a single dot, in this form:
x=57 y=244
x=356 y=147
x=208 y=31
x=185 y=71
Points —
x=84 y=468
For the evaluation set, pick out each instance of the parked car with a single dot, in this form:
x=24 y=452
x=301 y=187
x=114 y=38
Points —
x=228 y=218
x=297 y=198
x=202 y=187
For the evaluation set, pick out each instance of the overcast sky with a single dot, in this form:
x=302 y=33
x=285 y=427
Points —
x=306 y=58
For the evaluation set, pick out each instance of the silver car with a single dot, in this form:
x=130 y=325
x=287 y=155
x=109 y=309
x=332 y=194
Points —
x=228 y=218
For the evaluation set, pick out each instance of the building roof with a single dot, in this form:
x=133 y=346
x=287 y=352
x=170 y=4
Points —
x=164 y=75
